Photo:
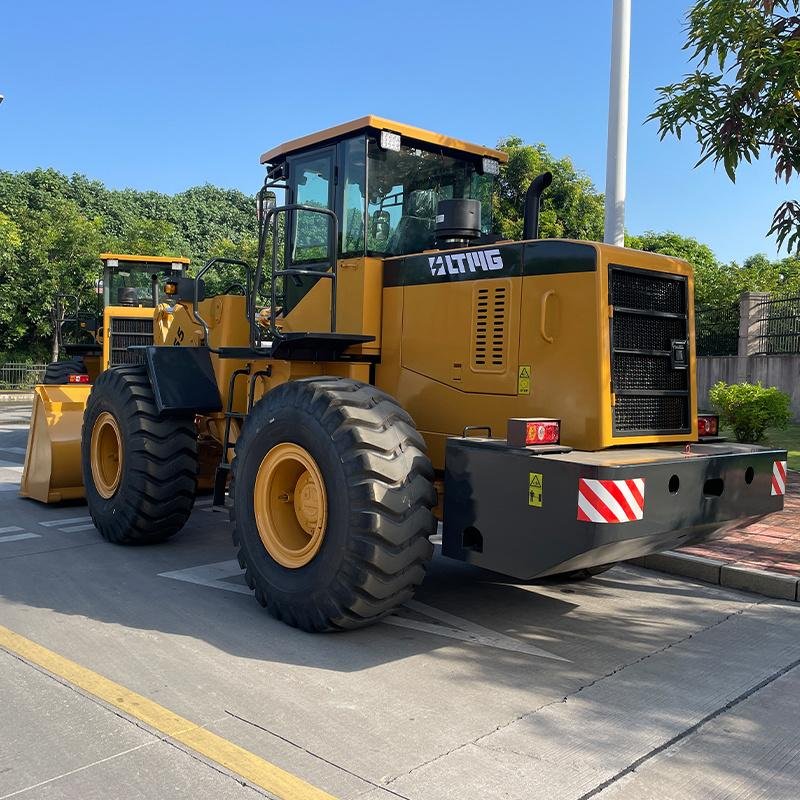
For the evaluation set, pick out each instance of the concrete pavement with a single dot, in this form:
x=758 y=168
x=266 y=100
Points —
x=631 y=685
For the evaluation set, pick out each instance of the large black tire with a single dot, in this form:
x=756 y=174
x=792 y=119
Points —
x=158 y=478
x=379 y=484
x=58 y=372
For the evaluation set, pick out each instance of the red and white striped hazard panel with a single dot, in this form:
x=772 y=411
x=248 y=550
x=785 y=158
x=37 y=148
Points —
x=610 y=501
x=778 y=478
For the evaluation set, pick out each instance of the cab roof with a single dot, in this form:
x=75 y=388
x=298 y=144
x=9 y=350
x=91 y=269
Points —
x=144 y=259
x=371 y=122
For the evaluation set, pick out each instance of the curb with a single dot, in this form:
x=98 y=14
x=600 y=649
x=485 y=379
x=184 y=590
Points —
x=721 y=573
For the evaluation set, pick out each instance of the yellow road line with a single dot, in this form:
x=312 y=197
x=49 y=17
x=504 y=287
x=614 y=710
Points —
x=249 y=766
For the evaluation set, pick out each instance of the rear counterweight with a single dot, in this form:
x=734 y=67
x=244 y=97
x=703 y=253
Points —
x=528 y=513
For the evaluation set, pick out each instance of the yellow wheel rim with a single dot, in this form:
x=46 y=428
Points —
x=291 y=505
x=106 y=453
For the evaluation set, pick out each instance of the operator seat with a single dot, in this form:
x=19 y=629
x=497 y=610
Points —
x=415 y=231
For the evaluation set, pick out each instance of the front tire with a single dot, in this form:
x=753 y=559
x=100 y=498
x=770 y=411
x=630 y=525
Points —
x=332 y=498
x=139 y=468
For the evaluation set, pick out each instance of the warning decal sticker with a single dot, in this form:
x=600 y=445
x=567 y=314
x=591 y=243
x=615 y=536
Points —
x=524 y=379
x=535 y=489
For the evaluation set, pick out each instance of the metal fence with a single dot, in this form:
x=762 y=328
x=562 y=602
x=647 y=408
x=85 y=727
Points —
x=778 y=325
x=16 y=375
x=717 y=330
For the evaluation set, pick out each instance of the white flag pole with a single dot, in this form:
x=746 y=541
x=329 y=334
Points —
x=617 y=155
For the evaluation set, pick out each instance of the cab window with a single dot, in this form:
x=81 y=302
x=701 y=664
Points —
x=312 y=181
x=353 y=200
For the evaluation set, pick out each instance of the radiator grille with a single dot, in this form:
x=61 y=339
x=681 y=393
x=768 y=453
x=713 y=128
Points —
x=649 y=314
x=631 y=371
x=651 y=414
x=636 y=332
x=648 y=292
x=126 y=332
x=491 y=322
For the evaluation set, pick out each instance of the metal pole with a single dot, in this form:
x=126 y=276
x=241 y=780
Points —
x=617 y=155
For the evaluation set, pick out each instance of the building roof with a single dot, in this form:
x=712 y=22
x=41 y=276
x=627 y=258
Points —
x=144 y=259
x=380 y=123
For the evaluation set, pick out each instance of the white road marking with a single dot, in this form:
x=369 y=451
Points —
x=16 y=537
x=53 y=523
x=18 y=450
x=88 y=527
x=14 y=466
x=10 y=529
x=212 y=575
x=215 y=575
x=472 y=632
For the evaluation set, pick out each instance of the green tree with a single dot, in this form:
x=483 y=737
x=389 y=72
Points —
x=711 y=278
x=571 y=207
x=742 y=99
x=54 y=226
x=143 y=236
x=56 y=254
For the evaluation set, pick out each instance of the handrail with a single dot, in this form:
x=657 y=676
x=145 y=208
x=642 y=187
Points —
x=272 y=217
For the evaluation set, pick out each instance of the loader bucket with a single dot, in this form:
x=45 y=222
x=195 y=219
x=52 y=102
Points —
x=52 y=470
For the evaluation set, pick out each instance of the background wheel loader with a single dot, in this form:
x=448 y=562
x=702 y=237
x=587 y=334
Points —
x=391 y=363
x=130 y=294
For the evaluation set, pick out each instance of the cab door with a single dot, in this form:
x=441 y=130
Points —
x=312 y=181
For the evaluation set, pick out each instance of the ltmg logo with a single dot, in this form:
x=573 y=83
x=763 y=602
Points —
x=461 y=263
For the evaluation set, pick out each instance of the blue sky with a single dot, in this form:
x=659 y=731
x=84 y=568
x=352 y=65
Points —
x=166 y=95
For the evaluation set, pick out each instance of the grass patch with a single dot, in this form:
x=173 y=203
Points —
x=790 y=439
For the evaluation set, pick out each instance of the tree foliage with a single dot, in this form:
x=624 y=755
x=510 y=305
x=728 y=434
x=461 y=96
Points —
x=53 y=227
x=743 y=100
x=716 y=283
x=571 y=207
x=710 y=275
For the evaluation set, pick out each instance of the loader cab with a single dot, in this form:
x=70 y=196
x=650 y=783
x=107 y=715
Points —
x=131 y=288
x=383 y=180
x=136 y=281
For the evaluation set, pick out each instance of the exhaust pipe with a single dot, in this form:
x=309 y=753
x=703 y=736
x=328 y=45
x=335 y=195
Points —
x=533 y=199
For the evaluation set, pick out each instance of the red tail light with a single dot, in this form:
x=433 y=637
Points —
x=707 y=424
x=79 y=379
x=527 y=432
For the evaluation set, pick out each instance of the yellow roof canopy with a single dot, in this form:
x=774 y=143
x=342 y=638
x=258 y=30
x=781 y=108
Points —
x=372 y=122
x=144 y=259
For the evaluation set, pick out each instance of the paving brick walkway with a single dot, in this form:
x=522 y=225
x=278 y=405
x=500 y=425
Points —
x=772 y=544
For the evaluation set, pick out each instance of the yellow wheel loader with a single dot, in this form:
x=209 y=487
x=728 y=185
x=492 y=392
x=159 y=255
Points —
x=388 y=363
x=130 y=295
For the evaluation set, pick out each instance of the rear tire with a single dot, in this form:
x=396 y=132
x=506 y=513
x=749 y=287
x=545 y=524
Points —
x=145 y=493
x=377 y=495
x=58 y=372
